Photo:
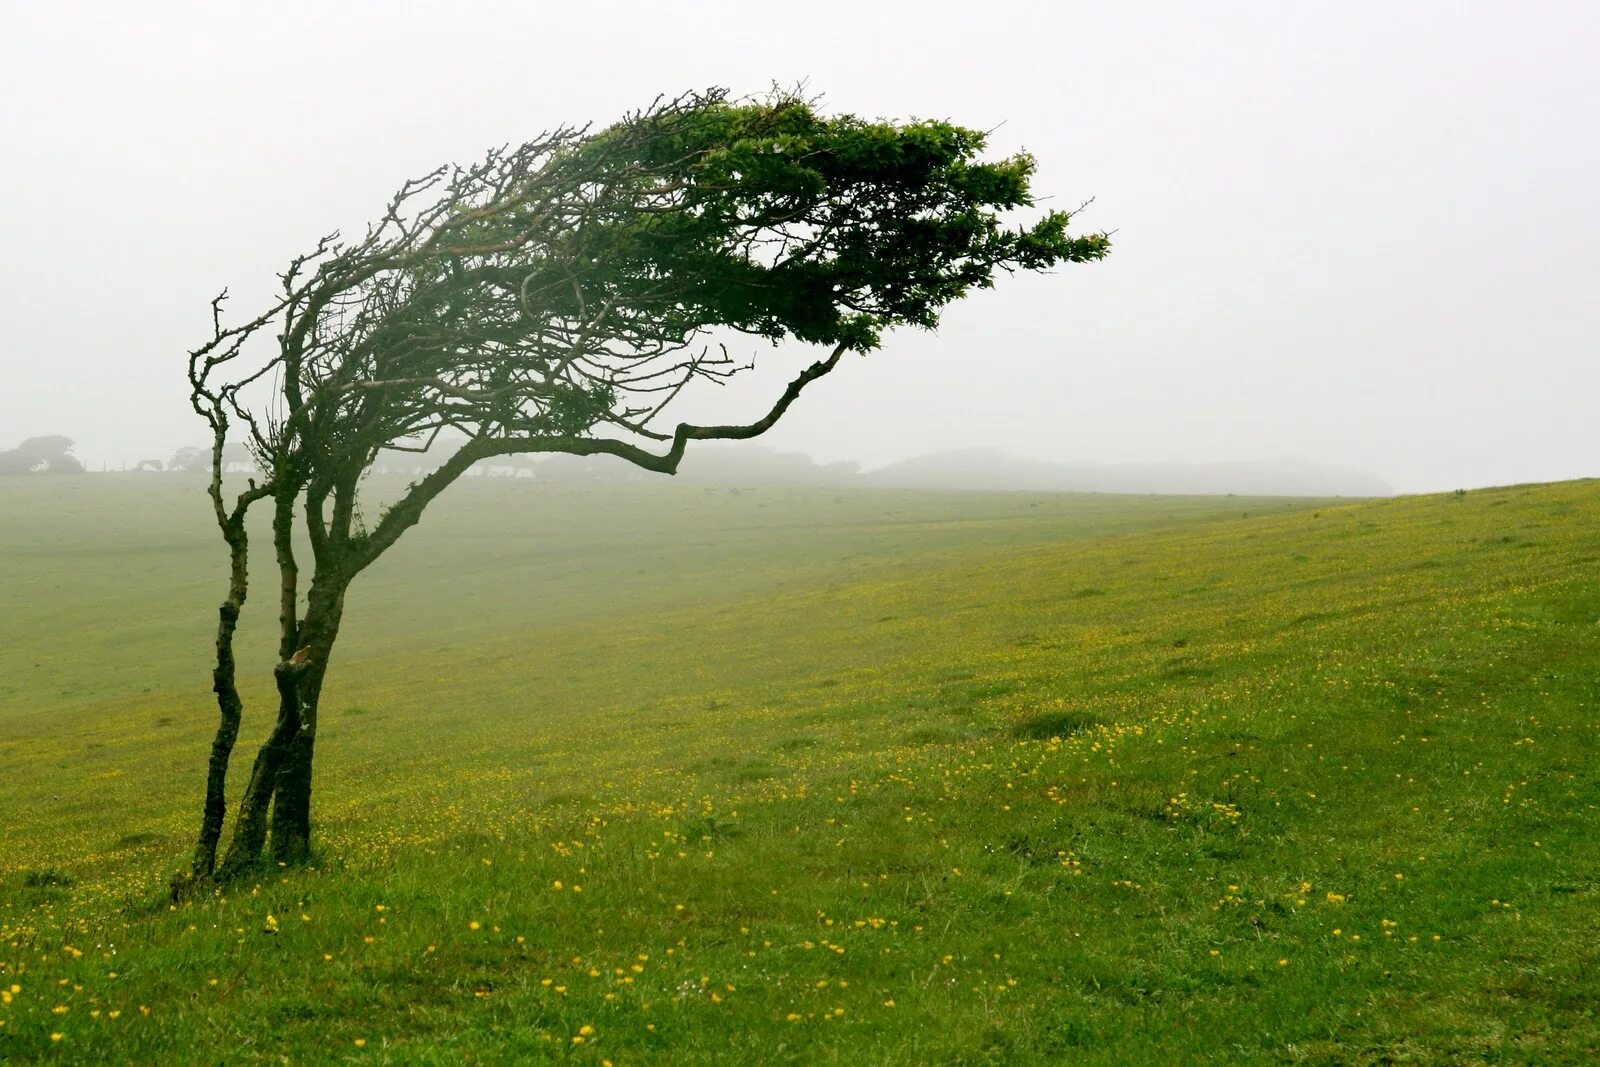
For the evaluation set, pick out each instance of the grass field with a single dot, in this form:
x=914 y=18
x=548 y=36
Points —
x=684 y=776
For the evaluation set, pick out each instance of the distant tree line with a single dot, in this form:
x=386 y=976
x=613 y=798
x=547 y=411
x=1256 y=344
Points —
x=50 y=454
x=193 y=459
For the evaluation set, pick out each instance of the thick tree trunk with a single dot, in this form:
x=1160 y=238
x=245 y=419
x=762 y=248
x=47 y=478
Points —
x=291 y=806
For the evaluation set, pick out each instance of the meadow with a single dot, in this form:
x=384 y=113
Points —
x=681 y=775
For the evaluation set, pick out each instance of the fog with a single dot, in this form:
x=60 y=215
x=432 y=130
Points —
x=1355 y=237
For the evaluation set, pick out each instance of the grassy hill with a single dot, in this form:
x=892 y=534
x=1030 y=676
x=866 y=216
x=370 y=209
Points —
x=676 y=775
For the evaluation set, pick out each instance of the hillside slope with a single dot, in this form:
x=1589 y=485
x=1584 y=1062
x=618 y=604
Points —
x=1319 y=786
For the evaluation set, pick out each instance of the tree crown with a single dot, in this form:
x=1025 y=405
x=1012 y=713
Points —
x=558 y=295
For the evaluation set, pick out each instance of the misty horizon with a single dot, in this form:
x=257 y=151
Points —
x=1359 y=236
x=1285 y=468
x=753 y=464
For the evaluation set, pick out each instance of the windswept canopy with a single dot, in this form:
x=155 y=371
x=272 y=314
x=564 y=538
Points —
x=564 y=288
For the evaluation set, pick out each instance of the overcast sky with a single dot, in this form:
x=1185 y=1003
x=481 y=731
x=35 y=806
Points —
x=1358 y=234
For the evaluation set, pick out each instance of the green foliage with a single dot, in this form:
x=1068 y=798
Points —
x=572 y=409
x=826 y=228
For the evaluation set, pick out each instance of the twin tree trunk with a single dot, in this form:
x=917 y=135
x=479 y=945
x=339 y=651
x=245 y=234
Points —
x=277 y=798
x=280 y=779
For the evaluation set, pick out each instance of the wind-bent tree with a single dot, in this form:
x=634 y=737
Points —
x=557 y=297
x=50 y=454
x=193 y=459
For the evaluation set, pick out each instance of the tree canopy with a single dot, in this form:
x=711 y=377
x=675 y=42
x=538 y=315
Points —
x=558 y=290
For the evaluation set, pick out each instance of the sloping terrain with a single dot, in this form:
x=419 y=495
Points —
x=1001 y=779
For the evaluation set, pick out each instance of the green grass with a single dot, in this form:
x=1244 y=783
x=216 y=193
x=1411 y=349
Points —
x=892 y=778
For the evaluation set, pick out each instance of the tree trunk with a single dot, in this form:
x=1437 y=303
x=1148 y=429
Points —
x=250 y=825
x=230 y=710
x=291 y=806
x=230 y=707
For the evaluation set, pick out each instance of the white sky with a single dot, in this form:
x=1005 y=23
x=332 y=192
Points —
x=1363 y=234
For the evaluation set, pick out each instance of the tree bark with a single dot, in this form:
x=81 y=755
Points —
x=230 y=710
x=230 y=707
x=250 y=825
x=291 y=805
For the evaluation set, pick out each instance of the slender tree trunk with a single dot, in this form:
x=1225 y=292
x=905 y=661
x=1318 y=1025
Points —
x=230 y=710
x=288 y=575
